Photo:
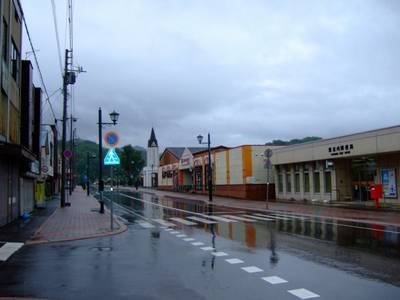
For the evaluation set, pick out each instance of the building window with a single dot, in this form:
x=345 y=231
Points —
x=5 y=42
x=15 y=62
x=306 y=182
x=280 y=183
x=297 y=183
x=288 y=183
x=317 y=188
x=328 y=182
x=51 y=154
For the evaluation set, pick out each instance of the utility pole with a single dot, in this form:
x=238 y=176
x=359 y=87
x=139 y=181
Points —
x=64 y=129
x=69 y=78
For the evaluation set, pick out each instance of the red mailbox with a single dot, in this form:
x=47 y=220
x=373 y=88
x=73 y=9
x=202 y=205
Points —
x=376 y=193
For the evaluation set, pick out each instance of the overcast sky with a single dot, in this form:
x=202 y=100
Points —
x=247 y=71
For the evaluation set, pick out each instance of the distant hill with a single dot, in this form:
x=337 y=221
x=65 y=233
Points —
x=293 y=141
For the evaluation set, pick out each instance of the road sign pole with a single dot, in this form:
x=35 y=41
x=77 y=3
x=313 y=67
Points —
x=112 y=200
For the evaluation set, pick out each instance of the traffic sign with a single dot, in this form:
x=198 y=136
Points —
x=111 y=138
x=111 y=158
x=68 y=153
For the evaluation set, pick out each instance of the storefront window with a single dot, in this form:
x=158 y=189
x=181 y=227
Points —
x=297 y=183
x=280 y=183
x=316 y=183
x=198 y=177
x=328 y=182
x=306 y=182
x=288 y=183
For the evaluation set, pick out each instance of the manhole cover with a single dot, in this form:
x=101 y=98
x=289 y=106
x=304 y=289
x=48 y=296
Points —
x=102 y=249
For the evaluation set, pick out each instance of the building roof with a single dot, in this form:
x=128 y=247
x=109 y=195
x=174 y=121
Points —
x=152 y=141
x=178 y=151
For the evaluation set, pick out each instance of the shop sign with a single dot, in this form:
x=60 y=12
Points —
x=389 y=183
x=341 y=149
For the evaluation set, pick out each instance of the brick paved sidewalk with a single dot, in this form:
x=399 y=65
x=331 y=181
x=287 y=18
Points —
x=79 y=221
x=346 y=214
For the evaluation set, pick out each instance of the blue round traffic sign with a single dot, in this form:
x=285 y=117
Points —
x=111 y=138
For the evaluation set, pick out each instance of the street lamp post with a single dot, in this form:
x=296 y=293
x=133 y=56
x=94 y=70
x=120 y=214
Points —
x=114 y=118
x=209 y=175
x=71 y=141
x=88 y=157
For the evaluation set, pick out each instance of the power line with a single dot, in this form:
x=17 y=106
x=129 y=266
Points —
x=57 y=35
x=37 y=64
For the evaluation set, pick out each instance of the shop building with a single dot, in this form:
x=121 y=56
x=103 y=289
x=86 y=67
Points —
x=340 y=169
x=176 y=168
x=238 y=172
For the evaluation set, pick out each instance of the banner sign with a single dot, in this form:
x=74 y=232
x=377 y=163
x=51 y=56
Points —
x=389 y=183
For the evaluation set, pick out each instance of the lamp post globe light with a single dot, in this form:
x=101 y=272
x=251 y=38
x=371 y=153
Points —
x=209 y=168
x=114 y=118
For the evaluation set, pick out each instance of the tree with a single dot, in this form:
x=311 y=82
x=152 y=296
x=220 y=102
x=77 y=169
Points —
x=132 y=163
x=293 y=141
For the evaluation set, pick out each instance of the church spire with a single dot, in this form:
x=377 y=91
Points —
x=152 y=141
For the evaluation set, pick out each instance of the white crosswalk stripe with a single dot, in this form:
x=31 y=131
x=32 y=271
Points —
x=219 y=254
x=303 y=293
x=258 y=218
x=164 y=223
x=272 y=216
x=221 y=219
x=183 y=221
x=9 y=249
x=201 y=220
x=240 y=218
x=145 y=224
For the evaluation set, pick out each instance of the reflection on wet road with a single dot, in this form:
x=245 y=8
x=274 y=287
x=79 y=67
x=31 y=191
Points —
x=308 y=257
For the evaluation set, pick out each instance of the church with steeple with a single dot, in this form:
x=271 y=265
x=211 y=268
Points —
x=150 y=172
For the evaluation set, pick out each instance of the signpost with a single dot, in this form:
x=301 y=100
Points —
x=112 y=139
x=267 y=165
x=68 y=153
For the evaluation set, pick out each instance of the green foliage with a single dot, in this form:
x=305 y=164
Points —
x=293 y=141
x=132 y=162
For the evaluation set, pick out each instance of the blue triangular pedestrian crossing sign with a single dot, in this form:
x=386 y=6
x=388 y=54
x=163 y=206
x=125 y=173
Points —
x=111 y=158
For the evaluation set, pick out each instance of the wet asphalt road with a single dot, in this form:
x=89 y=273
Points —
x=330 y=259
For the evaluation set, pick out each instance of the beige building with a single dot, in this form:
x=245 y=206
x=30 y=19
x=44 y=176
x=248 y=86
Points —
x=340 y=169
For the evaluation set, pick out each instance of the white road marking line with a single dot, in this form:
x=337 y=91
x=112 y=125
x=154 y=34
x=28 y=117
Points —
x=168 y=229
x=197 y=244
x=221 y=219
x=183 y=221
x=240 y=218
x=9 y=249
x=145 y=224
x=252 y=269
x=258 y=218
x=188 y=239
x=274 y=279
x=234 y=261
x=303 y=293
x=272 y=216
x=164 y=223
x=219 y=254
x=207 y=248
x=181 y=235
x=201 y=220
x=174 y=232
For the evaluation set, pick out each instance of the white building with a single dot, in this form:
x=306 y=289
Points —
x=153 y=161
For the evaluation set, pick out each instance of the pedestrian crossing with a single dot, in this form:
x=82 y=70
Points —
x=203 y=219
x=9 y=249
